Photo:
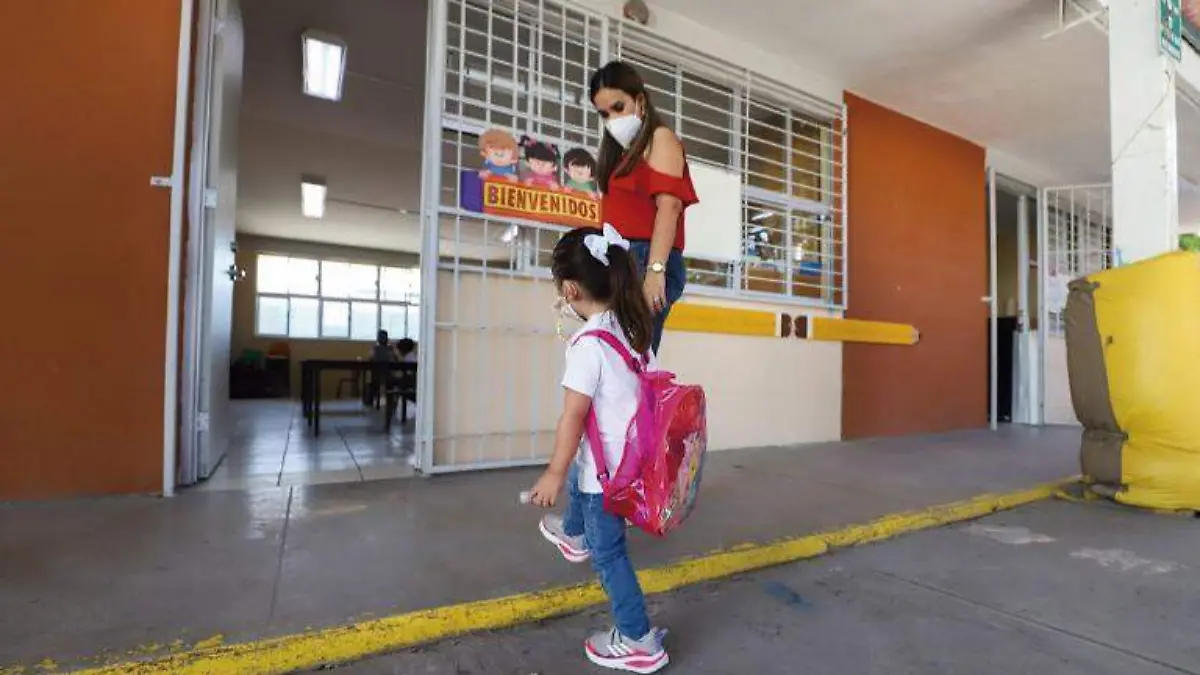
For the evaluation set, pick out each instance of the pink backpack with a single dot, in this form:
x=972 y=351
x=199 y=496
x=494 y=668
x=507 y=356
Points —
x=656 y=484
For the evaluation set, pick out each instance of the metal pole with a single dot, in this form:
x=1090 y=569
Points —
x=1023 y=370
x=1043 y=247
x=435 y=82
x=993 y=350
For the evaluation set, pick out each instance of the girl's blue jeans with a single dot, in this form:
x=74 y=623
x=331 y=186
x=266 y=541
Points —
x=605 y=537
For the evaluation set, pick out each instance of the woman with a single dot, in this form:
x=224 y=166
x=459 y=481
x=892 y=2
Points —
x=643 y=177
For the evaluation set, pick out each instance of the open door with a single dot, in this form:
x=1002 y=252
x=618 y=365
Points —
x=205 y=420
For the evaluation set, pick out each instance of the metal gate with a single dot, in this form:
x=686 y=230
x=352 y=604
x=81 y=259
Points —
x=1076 y=228
x=490 y=357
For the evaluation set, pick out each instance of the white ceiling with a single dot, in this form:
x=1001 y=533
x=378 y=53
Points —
x=978 y=68
x=981 y=69
x=367 y=147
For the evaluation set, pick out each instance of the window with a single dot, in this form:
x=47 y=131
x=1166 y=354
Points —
x=524 y=67
x=335 y=300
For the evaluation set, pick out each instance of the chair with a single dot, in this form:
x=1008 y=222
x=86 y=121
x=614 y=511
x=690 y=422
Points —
x=399 y=392
x=354 y=380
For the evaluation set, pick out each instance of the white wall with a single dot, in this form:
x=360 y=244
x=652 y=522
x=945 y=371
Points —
x=1059 y=409
x=499 y=363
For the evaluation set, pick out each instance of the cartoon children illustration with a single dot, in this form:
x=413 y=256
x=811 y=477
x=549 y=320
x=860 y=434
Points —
x=541 y=163
x=579 y=168
x=499 y=151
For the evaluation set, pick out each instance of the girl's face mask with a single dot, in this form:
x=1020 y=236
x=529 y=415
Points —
x=563 y=310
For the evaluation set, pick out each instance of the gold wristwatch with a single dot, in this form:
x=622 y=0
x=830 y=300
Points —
x=657 y=267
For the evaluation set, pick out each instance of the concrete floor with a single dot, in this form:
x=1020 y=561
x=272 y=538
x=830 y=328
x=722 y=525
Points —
x=1051 y=588
x=272 y=446
x=130 y=577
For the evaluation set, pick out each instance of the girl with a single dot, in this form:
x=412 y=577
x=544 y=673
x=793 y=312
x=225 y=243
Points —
x=644 y=179
x=598 y=282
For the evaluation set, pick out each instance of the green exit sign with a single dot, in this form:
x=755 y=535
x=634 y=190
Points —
x=1170 y=28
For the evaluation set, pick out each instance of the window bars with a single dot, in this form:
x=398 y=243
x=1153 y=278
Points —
x=1078 y=236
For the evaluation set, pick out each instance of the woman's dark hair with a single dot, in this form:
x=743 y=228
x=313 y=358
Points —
x=405 y=346
x=615 y=160
x=545 y=152
x=580 y=157
x=619 y=284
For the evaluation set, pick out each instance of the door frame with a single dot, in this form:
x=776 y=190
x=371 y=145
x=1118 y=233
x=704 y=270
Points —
x=195 y=325
x=179 y=176
x=993 y=308
x=1028 y=371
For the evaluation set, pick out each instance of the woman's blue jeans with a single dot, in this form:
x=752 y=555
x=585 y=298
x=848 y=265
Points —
x=676 y=280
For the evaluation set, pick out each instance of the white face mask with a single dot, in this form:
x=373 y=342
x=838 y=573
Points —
x=624 y=129
x=564 y=310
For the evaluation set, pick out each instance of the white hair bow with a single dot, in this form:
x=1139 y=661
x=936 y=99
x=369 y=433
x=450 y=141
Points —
x=598 y=244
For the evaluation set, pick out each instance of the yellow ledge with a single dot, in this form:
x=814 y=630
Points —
x=693 y=318
x=332 y=646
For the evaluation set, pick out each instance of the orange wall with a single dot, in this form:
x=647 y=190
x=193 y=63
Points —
x=83 y=263
x=917 y=254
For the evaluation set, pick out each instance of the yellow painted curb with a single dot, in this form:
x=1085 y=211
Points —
x=307 y=651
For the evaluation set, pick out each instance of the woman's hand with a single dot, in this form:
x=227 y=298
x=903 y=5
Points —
x=546 y=490
x=655 y=288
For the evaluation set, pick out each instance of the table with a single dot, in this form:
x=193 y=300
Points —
x=311 y=371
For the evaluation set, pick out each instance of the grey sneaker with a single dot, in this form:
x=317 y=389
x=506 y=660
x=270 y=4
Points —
x=612 y=650
x=574 y=549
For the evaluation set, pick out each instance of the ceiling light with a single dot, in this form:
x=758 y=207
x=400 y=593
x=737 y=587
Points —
x=510 y=235
x=762 y=215
x=312 y=197
x=324 y=65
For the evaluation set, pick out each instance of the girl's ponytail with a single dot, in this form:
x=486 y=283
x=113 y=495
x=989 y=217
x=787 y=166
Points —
x=628 y=301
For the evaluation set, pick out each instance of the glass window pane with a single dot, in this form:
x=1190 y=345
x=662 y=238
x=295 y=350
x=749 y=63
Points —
x=400 y=284
x=364 y=320
x=303 y=316
x=271 y=276
x=363 y=282
x=414 y=323
x=335 y=319
x=272 y=316
x=335 y=280
x=391 y=319
x=302 y=276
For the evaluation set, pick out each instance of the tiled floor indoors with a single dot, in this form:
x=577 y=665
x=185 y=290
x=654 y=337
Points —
x=271 y=446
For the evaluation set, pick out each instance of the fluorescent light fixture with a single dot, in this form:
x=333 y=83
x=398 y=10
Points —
x=324 y=65
x=312 y=197
x=762 y=215
x=510 y=235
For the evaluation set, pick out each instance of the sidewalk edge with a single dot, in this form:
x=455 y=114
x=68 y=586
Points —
x=353 y=642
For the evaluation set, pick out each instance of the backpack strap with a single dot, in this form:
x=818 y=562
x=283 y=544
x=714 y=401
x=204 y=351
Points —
x=637 y=364
x=595 y=442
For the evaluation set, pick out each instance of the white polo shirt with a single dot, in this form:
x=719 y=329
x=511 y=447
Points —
x=596 y=370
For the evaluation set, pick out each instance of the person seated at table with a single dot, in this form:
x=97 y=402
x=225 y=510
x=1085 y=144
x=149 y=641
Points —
x=382 y=351
x=407 y=349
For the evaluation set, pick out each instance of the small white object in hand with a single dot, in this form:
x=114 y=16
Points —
x=526 y=497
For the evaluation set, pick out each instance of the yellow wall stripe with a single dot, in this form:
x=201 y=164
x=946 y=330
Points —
x=693 y=318
x=309 y=651
x=728 y=320
x=853 y=330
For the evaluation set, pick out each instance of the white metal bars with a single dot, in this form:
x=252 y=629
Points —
x=1077 y=228
x=520 y=66
x=489 y=357
x=787 y=147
